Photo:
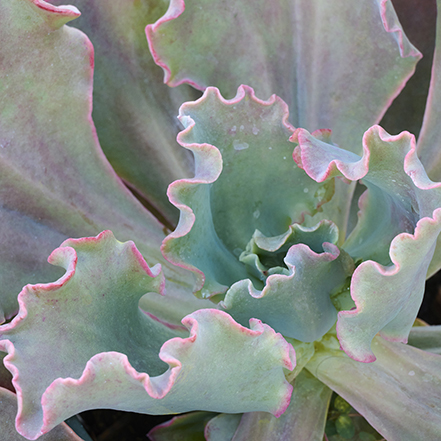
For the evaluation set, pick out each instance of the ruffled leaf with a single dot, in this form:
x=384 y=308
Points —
x=297 y=304
x=54 y=179
x=399 y=394
x=91 y=316
x=336 y=66
x=400 y=199
x=304 y=419
x=245 y=180
x=134 y=113
x=388 y=298
x=8 y=409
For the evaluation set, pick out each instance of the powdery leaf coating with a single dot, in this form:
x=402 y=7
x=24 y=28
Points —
x=296 y=304
x=243 y=159
x=322 y=58
x=399 y=394
x=305 y=416
x=55 y=181
x=72 y=335
x=400 y=208
x=8 y=409
x=134 y=113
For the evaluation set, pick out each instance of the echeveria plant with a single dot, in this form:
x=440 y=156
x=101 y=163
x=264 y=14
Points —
x=292 y=258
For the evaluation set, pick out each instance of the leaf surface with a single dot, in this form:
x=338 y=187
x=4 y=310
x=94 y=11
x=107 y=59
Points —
x=335 y=66
x=67 y=346
x=398 y=394
x=305 y=418
x=245 y=180
x=134 y=113
x=55 y=181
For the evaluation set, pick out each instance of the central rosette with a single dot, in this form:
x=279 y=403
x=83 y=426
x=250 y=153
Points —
x=247 y=228
x=264 y=222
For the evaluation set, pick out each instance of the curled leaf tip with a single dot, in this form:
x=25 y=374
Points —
x=56 y=16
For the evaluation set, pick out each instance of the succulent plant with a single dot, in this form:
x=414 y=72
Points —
x=286 y=260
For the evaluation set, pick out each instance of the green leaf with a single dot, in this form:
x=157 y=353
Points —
x=222 y=427
x=345 y=427
x=398 y=226
x=297 y=304
x=55 y=181
x=399 y=394
x=91 y=316
x=188 y=427
x=305 y=417
x=336 y=66
x=133 y=111
x=243 y=158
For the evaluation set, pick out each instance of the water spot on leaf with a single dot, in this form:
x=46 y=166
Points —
x=240 y=145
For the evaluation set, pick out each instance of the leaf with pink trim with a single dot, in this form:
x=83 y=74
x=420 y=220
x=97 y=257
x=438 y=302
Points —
x=323 y=58
x=397 y=209
x=68 y=344
x=55 y=181
x=305 y=417
x=297 y=302
x=134 y=113
x=399 y=394
x=245 y=180
x=398 y=186
x=8 y=409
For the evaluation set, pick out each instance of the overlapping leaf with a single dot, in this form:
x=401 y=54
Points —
x=8 y=409
x=134 y=113
x=323 y=58
x=297 y=304
x=304 y=419
x=54 y=180
x=245 y=180
x=399 y=394
x=399 y=223
x=68 y=344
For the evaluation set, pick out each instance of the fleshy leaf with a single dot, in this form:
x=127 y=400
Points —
x=322 y=58
x=388 y=298
x=187 y=427
x=45 y=123
x=134 y=114
x=297 y=304
x=427 y=338
x=91 y=316
x=304 y=419
x=8 y=409
x=222 y=427
x=243 y=159
x=430 y=135
x=399 y=394
x=398 y=186
x=400 y=200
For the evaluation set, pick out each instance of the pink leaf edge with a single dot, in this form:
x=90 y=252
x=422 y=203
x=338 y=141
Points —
x=175 y=9
x=208 y=167
x=156 y=387
x=387 y=272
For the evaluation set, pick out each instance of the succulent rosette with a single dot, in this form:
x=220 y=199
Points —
x=290 y=256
